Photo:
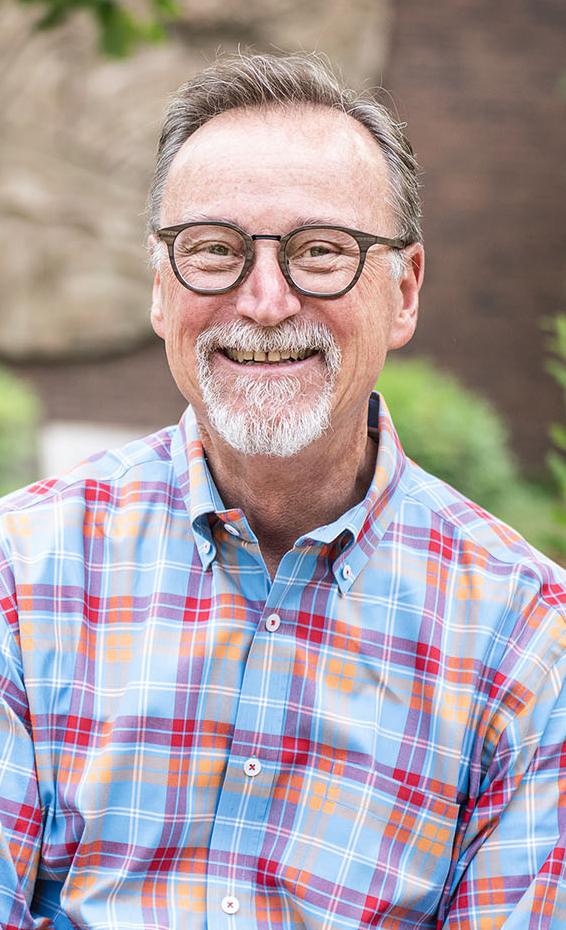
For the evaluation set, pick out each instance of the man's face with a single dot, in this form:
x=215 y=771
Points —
x=269 y=172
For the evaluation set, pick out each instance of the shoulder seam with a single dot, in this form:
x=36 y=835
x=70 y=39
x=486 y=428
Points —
x=464 y=533
x=55 y=492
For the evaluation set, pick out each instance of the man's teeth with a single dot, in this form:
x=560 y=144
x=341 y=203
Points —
x=246 y=356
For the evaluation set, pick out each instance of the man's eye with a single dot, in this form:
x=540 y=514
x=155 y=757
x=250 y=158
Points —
x=209 y=248
x=314 y=251
x=216 y=248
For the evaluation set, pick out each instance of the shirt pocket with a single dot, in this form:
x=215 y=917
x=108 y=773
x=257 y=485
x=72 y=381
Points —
x=373 y=851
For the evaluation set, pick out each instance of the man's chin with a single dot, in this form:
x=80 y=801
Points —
x=281 y=433
x=275 y=410
x=273 y=415
x=266 y=398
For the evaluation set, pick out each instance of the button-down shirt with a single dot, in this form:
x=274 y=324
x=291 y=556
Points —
x=371 y=739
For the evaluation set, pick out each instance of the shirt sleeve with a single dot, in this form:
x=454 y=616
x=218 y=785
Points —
x=511 y=862
x=20 y=808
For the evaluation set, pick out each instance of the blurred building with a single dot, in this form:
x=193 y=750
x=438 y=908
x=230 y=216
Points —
x=482 y=88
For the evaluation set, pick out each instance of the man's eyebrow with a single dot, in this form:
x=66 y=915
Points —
x=318 y=221
x=190 y=216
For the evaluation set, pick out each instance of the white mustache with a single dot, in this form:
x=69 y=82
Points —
x=290 y=336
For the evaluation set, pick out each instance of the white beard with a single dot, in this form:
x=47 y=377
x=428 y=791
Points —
x=267 y=415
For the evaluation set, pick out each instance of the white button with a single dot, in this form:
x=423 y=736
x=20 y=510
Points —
x=252 y=767
x=347 y=572
x=205 y=548
x=273 y=622
x=231 y=529
x=230 y=904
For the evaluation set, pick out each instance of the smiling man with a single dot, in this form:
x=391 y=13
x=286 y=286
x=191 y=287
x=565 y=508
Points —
x=261 y=209
x=260 y=670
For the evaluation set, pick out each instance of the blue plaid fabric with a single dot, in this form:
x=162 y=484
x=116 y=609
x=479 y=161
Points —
x=375 y=738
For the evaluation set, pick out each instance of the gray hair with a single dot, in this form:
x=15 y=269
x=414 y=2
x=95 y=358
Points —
x=247 y=81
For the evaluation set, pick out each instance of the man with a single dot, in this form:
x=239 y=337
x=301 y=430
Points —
x=260 y=670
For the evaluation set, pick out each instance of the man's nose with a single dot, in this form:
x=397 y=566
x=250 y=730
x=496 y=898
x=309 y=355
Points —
x=265 y=296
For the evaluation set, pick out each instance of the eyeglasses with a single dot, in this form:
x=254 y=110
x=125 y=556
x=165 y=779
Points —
x=317 y=261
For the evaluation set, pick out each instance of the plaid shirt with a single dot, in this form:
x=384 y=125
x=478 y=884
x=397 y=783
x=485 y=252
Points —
x=373 y=739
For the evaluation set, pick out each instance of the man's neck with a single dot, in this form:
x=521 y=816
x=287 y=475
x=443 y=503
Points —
x=283 y=498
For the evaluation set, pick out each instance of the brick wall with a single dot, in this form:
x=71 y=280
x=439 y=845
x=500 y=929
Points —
x=483 y=88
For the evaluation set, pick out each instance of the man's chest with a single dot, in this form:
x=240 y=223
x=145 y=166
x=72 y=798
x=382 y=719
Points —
x=238 y=738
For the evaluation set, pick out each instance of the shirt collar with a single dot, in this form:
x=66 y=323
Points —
x=359 y=529
x=197 y=486
x=362 y=527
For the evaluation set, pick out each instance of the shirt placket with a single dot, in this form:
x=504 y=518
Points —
x=253 y=761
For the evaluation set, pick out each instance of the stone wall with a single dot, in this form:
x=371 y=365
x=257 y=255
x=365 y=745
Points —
x=79 y=133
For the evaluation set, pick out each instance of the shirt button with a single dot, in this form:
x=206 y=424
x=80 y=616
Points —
x=230 y=904
x=273 y=622
x=252 y=767
x=233 y=532
x=346 y=572
x=205 y=548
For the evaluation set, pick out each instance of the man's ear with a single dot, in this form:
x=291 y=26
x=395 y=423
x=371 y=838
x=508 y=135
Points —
x=405 y=316
x=156 y=315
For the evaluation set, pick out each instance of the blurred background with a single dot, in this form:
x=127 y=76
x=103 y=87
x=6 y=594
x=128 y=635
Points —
x=480 y=394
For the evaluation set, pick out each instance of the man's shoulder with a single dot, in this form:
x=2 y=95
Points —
x=109 y=471
x=468 y=532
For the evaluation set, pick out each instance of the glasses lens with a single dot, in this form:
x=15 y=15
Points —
x=323 y=261
x=209 y=257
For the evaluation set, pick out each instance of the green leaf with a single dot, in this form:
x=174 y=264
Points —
x=167 y=8
x=119 y=30
x=558 y=435
x=557 y=465
x=19 y=418
x=556 y=366
x=56 y=13
x=558 y=372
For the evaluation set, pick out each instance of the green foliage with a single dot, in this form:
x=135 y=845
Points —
x=556 y=366
x=448 y=430
x=458 y=436
x=119 y=30
x=19 y=414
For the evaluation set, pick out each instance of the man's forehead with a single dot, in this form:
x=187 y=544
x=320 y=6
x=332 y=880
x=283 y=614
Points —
x=309 y=127
x=314 y=163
